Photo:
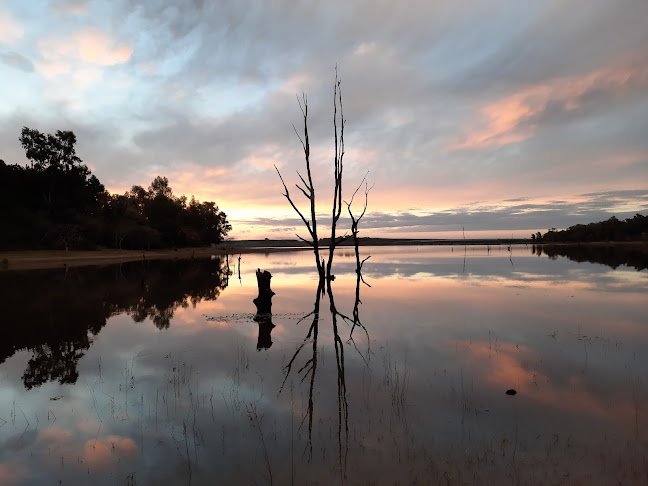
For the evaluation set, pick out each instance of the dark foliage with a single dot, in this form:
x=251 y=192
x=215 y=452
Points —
x=613 y=229
x=56 y=202
x=55 y=314
x=612 y=255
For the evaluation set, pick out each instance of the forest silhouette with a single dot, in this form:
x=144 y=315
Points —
x=55 y=202
x=613 y=229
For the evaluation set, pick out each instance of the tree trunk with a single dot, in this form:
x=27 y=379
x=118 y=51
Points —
x=263 y=303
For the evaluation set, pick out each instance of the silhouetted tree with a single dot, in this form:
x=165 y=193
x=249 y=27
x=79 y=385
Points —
x=55 y=192
x=56 y=202
x=308 y=190
x=632 y=229
x=50 y=151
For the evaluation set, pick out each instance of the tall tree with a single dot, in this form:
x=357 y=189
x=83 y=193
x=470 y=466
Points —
x=46 y=150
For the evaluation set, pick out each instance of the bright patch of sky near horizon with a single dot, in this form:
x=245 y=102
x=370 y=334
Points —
x=501 y=117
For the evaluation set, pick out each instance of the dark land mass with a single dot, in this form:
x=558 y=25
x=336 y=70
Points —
x=55 y=202
x=613 y=229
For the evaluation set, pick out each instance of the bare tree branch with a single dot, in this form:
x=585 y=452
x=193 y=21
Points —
x=287 y=196
x=305 y=183
x=304 y=240
x=339 y=155
x=300 y=139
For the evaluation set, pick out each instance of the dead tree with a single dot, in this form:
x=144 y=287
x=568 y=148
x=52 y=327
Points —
x=307 y=188
x=339 y=155
x=354 y=226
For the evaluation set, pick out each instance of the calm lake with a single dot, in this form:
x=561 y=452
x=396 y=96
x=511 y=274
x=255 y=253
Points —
x=152 y=373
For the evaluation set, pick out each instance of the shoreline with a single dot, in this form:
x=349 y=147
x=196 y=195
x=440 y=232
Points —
x=19 y=260
x=46 y=259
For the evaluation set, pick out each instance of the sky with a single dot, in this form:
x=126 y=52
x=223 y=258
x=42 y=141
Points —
x=494 y=118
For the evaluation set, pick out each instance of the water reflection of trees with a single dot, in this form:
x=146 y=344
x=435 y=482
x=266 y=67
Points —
x=611 y=255
x=307 y=369
x=55 y=314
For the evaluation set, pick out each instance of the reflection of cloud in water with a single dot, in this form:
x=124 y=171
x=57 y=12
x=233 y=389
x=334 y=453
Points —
x=101 y=452
x=10 y=475
x=514 y=366
x=455 y=341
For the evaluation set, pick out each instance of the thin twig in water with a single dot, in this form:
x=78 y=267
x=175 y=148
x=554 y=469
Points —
x=256 y=424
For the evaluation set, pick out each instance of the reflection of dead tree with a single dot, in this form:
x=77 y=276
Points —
x=343 y=406
x=308 y=190
x=310 y=367
x=356 y=320
x=308 y=370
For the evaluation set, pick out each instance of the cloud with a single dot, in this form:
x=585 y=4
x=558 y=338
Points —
x=96 y=47
x=17 y=61
x=92 y=46
x=516 y=117
x=550 y=40
x=70 y=7
x=10 y=29
x=533 y=214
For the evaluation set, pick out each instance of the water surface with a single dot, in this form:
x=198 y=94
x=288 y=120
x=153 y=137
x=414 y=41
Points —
x=164 y=372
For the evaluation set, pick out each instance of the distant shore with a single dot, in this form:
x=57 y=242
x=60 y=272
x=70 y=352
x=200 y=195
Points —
x=43 y=259
x=324 y=242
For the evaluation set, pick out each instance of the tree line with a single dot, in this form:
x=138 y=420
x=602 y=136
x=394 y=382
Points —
x=56 y=202
x=613 y=229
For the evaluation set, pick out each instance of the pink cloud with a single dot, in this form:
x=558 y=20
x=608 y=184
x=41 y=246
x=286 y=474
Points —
x=90 y=46
x=99 y=48
x=514 y=118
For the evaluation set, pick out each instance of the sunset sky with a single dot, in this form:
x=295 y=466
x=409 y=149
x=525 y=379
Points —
x=501 y=117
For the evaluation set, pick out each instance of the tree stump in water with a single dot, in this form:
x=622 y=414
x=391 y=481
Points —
x=263 y=303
